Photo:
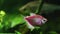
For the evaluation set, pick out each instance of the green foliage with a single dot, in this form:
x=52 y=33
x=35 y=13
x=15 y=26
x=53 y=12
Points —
x=11 y=21
x=17 y=32
x=41 y=32
x=53 y=32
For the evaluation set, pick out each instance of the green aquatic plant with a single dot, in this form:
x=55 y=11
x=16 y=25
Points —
x=17 y=32
x=2 y=14
x=53 y=32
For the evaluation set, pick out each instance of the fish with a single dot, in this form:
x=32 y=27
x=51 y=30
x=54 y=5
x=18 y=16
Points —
x=35 y=20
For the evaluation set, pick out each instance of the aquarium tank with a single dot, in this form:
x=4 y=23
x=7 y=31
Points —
x=29 y=16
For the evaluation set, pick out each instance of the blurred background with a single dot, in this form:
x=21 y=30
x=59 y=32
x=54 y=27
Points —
x=12 y=13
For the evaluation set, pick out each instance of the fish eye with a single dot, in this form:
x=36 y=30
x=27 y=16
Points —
x=44 y=20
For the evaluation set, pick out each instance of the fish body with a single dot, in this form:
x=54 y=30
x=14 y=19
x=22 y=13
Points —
x=34 y=20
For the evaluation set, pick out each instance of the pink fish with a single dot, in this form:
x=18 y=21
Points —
x=34 y=20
